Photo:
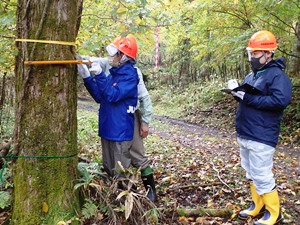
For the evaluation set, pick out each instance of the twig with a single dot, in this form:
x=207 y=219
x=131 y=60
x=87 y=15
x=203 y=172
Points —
x=218 y=174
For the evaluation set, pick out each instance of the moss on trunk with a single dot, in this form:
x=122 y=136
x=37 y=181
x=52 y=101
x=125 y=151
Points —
x=46 y=123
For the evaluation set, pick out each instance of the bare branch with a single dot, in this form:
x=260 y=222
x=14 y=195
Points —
x=288 y=25
x=240 y=17
x=218 y=174
x=102 y=18
x=4 y=36
x=289 y=54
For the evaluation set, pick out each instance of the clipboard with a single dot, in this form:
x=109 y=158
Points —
x=245 y=87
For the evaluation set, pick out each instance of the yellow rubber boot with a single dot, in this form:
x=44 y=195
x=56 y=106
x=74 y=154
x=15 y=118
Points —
x=257 y=206
x=272 y=214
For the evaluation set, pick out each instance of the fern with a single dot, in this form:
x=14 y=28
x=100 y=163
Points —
x=89 y=209
x=5 y=199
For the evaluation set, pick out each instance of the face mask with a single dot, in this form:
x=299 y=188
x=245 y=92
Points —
x=124 y=59
x=255 y=63
x=112 y=63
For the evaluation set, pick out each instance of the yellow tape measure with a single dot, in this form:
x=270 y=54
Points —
x=47 y=41
x=47 y=62
x=57 y=62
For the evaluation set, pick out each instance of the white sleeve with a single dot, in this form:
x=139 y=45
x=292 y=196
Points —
x=144 y=101
x=142 y=90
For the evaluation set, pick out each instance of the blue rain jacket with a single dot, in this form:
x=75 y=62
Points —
x=117 y=94
x=258 y=116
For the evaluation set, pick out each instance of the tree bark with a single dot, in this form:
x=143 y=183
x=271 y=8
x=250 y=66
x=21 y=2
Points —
x=45 y=134
x=294 y=71
x=2 y=96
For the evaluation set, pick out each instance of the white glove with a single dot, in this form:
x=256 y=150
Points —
x=95 y=66
x=83 y=70
x=239 y=94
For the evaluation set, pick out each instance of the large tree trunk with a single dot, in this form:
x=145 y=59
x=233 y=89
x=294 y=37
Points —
x=46 y=124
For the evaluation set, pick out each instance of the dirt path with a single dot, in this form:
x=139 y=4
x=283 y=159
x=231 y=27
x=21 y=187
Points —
x=188 y=129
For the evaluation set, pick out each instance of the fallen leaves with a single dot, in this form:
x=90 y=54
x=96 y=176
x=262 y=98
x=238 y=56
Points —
x=184 y=157
x=188 y=174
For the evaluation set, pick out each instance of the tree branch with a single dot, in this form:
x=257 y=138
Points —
x=288 y=25
x=292 y=55
x=201 y=212
x=218 y=174
x=102 y=18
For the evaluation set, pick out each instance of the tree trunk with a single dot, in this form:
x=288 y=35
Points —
x=295 y=61
x=46 y=125
x=2 y=97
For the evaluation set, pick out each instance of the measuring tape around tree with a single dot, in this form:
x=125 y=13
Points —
x=50 y=62
x=12 y=156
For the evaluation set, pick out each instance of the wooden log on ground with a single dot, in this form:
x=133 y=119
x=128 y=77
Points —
x=201 y=212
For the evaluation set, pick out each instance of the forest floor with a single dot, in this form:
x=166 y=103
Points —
x=198 y=166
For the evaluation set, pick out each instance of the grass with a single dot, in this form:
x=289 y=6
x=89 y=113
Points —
x=88 y=140
x=172 y=102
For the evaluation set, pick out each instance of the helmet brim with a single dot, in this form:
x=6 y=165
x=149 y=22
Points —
x=260 y=49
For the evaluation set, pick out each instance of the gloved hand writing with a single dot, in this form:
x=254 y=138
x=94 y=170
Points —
x=83 y=70
x=239 y=94
x=95 y=66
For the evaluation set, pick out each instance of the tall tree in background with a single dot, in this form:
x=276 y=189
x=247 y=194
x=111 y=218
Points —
x=295 y=61
x=46 y=123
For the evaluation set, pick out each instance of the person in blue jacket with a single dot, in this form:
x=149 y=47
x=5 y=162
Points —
x=143 y=116
x=117 y=95
x=258 y=125
x=136 y=151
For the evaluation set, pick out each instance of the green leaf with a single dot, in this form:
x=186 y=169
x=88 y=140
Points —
x=5 y=199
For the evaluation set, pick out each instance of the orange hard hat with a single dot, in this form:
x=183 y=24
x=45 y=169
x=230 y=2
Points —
x=131 y=37
x=129 y=46
x=117 y=41
x=262 y=40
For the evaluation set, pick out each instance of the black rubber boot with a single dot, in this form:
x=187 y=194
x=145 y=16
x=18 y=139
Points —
x=150 y=187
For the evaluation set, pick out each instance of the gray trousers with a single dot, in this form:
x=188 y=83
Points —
x=126 y=152
x=114 y=152
x=137 y=151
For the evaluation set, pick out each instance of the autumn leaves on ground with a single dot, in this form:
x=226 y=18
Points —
x=200 y=167
x=196 y=166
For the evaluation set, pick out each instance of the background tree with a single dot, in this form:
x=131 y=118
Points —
x=7 y=30
x=46 y=124
x=218 y=32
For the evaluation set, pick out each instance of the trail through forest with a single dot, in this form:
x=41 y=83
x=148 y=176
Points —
x=199 y=166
